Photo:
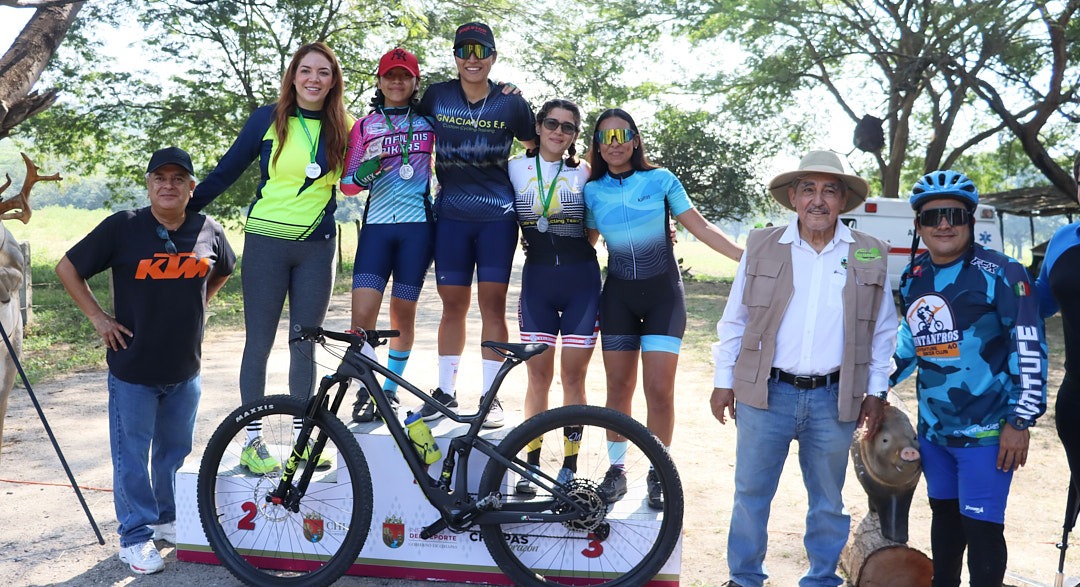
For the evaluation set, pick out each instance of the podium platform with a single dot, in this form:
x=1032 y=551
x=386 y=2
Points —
x=393 y=548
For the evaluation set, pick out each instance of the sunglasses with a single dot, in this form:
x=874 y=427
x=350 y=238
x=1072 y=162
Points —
x=613 y=135
x=953 y=216
x=481 y=51
x=568 y=128
x=163 y=234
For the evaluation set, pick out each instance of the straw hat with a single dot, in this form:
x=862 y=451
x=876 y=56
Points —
x=820 y=162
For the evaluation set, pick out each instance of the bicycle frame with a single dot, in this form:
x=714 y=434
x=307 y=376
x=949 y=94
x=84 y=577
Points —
x=458 y=509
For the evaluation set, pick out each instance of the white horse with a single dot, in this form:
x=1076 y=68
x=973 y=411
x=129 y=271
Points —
x=11 y=278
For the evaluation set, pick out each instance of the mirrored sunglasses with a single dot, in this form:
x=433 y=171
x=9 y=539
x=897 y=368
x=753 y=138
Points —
x=615 y=135
x=163 y=234
x=953 y=216
x=481 y=51
x=552 y=124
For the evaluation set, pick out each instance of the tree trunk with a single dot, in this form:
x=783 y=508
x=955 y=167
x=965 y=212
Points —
x=871 y=560
x=21 y=66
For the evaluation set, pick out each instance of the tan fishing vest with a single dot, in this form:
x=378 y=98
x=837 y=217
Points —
x=767 y=292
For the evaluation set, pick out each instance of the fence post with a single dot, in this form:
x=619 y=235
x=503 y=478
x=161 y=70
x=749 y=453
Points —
x=26 y=292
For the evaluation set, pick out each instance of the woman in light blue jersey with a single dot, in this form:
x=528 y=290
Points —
x=642 y=306
x=391 y=155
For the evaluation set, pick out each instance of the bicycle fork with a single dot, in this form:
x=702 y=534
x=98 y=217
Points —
x=287 y=494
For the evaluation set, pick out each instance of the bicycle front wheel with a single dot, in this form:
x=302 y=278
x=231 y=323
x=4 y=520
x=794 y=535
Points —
x=622 y=537
x=307 y=538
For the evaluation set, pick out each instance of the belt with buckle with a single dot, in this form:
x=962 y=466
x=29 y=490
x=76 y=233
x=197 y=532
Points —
x=805 y=381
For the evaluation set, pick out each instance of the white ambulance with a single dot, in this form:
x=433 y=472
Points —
x=893 y=221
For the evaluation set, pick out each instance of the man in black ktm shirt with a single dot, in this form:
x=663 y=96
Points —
x=166 y=263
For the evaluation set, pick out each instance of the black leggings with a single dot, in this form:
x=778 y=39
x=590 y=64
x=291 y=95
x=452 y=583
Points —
x=1067 y=420
x=951 y=533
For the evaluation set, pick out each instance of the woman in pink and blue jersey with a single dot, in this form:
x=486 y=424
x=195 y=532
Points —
x=390 y=155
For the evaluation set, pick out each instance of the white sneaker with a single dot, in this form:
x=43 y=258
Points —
x=166 y=532
x=495 y=416
x=144 y=559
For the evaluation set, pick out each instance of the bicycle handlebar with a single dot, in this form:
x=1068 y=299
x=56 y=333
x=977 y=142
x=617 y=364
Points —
x=357 y=337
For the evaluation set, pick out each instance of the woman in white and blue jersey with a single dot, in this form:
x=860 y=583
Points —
x=560 y=282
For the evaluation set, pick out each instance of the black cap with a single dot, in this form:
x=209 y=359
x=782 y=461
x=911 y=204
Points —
x=170 y=155
x=476 y=32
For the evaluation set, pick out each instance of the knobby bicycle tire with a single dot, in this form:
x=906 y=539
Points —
x=622 y=540
x=266 y=544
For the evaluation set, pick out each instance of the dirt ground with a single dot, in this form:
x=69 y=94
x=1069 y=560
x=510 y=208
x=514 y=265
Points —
x=45 y=538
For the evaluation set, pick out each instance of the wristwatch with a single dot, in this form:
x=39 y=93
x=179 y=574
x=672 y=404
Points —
x=881 y=395
x=1018 y=422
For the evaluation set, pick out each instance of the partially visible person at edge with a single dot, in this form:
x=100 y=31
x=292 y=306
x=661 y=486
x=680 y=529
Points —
x=166 y=265
x=971 y=325
x=809 y=330
x=1058 y=286
x=391 y=155
x=560 y=282
x=289 y=233
x=476 y=123
x=642 y=307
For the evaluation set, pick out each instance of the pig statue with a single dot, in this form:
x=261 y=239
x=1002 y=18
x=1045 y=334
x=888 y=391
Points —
x=888 y=467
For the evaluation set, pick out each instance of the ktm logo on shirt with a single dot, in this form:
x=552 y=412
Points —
x=166 y=266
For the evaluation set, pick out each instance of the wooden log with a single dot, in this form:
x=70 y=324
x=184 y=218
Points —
x=871 y=560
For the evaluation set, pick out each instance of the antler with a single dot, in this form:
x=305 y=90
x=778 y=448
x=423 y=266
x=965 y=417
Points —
x=21 y=201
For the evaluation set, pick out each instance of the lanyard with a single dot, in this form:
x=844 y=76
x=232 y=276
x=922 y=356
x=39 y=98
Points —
x=314 y=143
x=408 y=139
x=545 y=201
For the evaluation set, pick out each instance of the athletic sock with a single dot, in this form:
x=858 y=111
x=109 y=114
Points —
x=448 y=368
x=571 y=446
x=395 y=362
x=532 y=450
x=616 y=451
x=491 y=369
x=254 y=430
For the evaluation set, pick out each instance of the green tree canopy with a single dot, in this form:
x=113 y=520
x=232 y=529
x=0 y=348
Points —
x=944 y=76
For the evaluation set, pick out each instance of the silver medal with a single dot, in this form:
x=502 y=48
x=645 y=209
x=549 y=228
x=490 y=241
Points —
x=313 y=170
x=406 y=171
x=542 y=224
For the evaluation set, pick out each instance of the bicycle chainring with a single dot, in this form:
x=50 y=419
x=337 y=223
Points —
x=586 y=494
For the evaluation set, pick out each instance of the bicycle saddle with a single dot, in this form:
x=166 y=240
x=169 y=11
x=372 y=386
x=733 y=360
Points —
x=519 y=351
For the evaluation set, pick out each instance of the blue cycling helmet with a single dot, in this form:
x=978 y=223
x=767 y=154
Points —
x=944 y=184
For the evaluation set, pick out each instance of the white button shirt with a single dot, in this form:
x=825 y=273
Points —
x=810 y=339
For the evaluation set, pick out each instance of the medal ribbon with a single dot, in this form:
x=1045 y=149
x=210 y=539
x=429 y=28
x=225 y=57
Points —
x=545 y=201
x=314 y=143
x=408 y=139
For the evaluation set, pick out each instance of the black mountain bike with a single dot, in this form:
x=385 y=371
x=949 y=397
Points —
x=306 y=522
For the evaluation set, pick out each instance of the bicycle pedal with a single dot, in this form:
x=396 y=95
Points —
x=433 y=529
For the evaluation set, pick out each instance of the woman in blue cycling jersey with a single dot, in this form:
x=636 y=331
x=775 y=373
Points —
x=642 y=307
x=390 y=155
x=560 y=282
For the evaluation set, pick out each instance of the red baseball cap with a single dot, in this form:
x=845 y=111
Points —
x=399 y=58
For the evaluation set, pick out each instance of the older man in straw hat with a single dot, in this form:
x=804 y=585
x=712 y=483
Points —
x=808 y=332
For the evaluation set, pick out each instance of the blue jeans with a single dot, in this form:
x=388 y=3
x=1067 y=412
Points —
x=808 y=416
x=150 y=433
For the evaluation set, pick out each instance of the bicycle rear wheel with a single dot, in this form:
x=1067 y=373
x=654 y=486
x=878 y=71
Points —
x=620 y=540
x=266 y=543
